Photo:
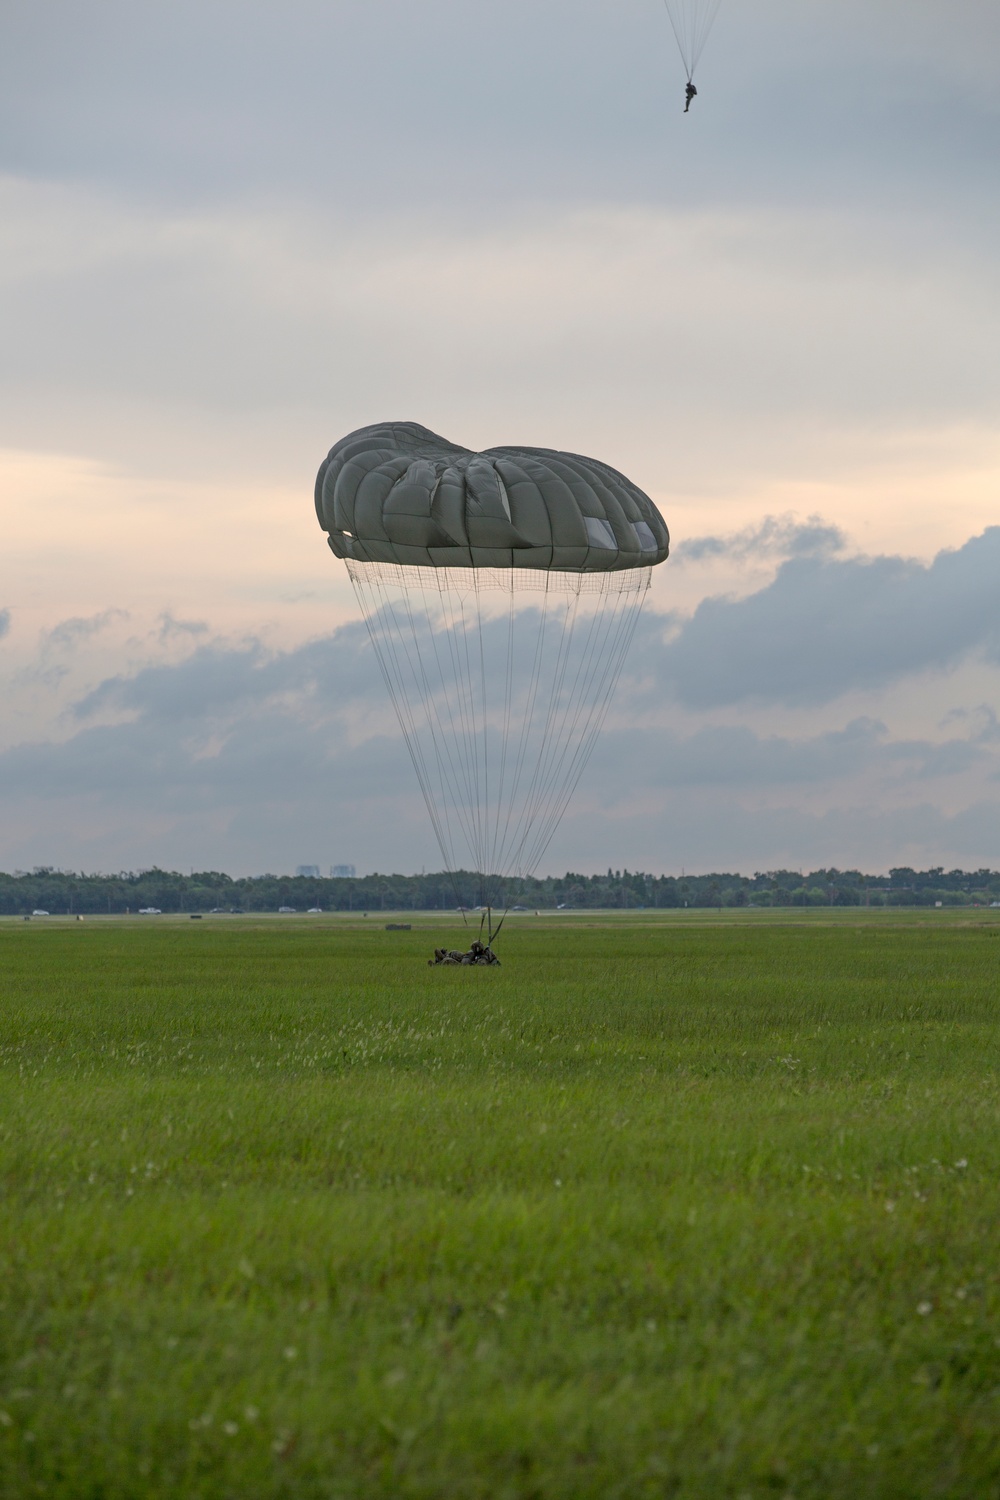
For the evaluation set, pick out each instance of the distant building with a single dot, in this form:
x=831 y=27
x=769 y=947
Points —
x=310 y=871
x=343 y=872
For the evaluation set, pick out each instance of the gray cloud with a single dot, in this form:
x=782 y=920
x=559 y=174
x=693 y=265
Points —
x=71 y=633
x=983 y=724
x=272 y=781
x=829 y=626
x=271 y=755
x=734 y=756
x=234 y=722
x=202 y=202
x=571 y=98
x=718 y=830
x=4 y=622
x=170 y=628
x=243 y=757
x=218 y=680
x=775 y=536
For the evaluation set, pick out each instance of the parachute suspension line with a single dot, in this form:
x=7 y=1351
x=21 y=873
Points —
x=530 y=808
x=499 y=708
x=585 y=707
x=570 y=611
x=526 y=721
x=586 y=711
x=505 y=735
x=439 y=732
x=411 y=736
x=476 y=688
x=389 y=666
x=461 y=636
x=438 y=809
x=457 y=682
x=462 y=673
x=626 y=628
x=556 y=748
x=395 y=682
x=485 y=803
x=460 y=735
x=605 y=668
x=577 y=697
x=448 y=740
x=691 y=20
x=555 y=744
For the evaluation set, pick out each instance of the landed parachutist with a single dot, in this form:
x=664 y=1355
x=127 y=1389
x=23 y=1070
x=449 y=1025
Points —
x=479 y=953
x=689 y=93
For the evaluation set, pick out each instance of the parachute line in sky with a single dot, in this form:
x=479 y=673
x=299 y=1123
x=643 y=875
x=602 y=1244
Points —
x=692 y=21
x=501 y=684
x=501 y=591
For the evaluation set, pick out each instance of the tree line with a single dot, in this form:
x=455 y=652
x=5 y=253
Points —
x=62 y=892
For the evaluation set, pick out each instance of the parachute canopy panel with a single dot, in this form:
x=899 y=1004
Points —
x=397 y=493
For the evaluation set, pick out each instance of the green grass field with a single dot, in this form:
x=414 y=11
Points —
x=673 y=1205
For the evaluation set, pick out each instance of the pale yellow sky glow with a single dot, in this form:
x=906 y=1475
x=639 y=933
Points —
x=249 y=556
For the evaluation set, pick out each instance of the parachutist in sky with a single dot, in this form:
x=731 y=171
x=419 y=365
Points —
x=691 y=21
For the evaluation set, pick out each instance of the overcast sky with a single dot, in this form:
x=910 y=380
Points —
x=231 y=232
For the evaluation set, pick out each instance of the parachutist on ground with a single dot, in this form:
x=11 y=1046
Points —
x=479 y=953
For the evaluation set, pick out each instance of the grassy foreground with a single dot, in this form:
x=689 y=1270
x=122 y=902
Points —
x=678 y=1210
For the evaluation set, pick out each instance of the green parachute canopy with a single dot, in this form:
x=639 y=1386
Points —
x=396 y=493
x=501 y=591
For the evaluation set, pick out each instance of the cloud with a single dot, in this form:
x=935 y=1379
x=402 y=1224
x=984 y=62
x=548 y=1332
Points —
x=236 y=308
x=984 y=726
x=244 y=757
x=775 y=536
x=236 y=724
x=274 y=784
x=172 y=629
x=718 y=830
x=237 y=756
x=219 y=679
x=4 y=622
x=570 y=98
x=70 y=633
x=736 y=757
x=828 y=626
